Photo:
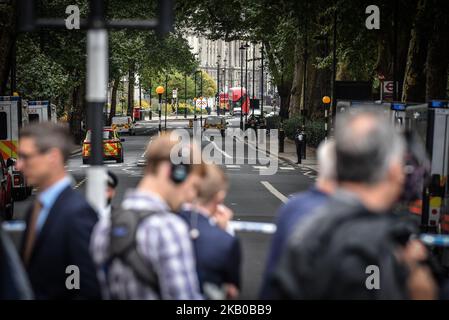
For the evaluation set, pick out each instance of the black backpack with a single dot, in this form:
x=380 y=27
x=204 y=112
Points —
x=123 y=246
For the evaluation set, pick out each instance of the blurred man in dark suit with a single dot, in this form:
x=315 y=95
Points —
x=217 y=250
x=55 y=247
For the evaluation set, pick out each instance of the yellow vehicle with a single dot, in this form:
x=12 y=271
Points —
x=123 y=124
x=112 y=146
x=216 y=122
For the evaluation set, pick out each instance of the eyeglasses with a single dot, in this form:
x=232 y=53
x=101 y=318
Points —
x=27 y=157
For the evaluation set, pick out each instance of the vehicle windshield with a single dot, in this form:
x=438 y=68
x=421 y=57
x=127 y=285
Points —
x=213 y=120
x=107 y=135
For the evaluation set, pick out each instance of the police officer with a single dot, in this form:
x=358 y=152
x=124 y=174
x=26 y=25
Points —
x=299 y=140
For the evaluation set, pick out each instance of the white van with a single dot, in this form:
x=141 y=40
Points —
x=123 y=124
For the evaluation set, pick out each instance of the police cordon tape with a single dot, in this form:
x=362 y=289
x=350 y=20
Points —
x=249 y=226
x=437 y=240
x=246 y=226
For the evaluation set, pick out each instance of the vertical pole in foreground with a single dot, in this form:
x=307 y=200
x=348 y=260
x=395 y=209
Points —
x=97 y=77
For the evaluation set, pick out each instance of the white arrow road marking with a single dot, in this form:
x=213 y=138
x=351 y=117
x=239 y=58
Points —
x=274 y=191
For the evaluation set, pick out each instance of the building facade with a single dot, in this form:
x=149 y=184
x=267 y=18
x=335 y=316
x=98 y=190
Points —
x=226 y=60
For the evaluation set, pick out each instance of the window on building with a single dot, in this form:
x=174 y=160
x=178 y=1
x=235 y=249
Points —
x=3 y=126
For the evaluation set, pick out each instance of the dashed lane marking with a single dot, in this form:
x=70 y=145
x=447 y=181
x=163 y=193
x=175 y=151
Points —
x=286 y=168
x=79 y=184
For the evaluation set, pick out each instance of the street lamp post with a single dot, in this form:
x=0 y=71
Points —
x=185 y=96
x=194 y=98
x=246 y=77
x=201 y=95
x=241 y=86
x=254 y=73
x=166 y=101
x=160 y=90
x=151 y=88
x=218 y=85
x=261 y=82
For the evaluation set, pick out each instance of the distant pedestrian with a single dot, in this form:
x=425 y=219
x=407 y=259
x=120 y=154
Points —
x=111 y=191
x=60 y=221
x=299 y=143
x=298 y=208
x=145 y=251
x=217 y=250
x=333 y=253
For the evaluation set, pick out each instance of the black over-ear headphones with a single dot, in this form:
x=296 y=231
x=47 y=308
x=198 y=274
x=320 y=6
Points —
x=179 y=172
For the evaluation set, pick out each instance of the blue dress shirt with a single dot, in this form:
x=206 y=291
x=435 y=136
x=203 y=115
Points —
x=47 y=198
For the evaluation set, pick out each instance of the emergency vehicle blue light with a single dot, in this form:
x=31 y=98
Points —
x=438 y=104
x=398 y=106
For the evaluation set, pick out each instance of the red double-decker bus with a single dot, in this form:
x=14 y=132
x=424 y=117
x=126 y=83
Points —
x=224 y=101
x=238 y=100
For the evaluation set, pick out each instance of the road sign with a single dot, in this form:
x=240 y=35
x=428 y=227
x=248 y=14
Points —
x=201 y=103
x=388 y=87
x=175 y=93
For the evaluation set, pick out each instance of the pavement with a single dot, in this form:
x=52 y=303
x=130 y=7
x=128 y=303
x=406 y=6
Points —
x=289 y=155
x=252 y=196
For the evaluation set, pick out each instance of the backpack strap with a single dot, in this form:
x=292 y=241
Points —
x=123 y=245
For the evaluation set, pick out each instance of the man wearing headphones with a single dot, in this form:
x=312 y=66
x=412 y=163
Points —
x=145 y=251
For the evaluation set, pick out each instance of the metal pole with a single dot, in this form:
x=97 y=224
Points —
x=254 y=73
x=246 y=78
x=395 y=51
x=224 y=86
x=194 y=96
x=96 y=90
x=334 y=66
x=160 y=113
x=218 y=86
x=166 y=101
x=185 y=96
x=261 y=82
x=241 y=87
x=201 y=95
x=151 y=111
x=304 y=80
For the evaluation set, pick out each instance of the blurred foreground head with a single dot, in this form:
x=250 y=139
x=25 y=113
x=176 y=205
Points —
x=44 y=148
x=326 y=180
x=176 y=181
x=369 y=155
x=214 y=186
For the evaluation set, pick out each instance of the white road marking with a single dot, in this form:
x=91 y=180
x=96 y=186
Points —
x=286 y=168
x=79 y=183
x=215 y=145
x=232 y=166
x=274 y=191
x=115 y=165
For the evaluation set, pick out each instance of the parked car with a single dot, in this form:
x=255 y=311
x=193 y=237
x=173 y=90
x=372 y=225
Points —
x=6 y=199
x=216 y=122
x=123 y=124
x=112 y=146
x=256 y=122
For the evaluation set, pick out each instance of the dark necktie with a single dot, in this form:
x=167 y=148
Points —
x=31 y=235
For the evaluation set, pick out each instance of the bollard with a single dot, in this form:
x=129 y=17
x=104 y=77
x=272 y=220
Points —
x=281 y=140
x=185 y=113
x=151 y=114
